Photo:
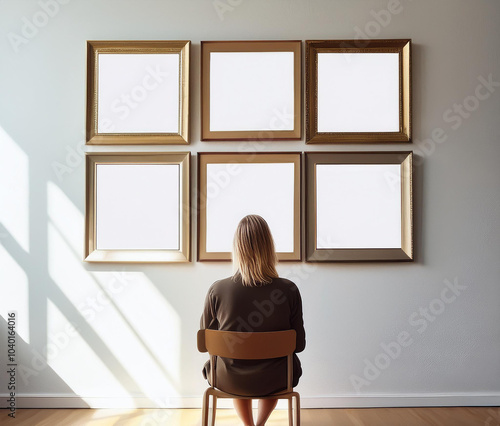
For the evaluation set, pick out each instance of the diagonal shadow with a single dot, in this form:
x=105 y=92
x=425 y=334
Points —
x=118 y=310
x=38 y=298
x=31 y=373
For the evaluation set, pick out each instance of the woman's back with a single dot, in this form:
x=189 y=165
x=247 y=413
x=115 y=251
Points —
x=275 y=306
x=254 y=299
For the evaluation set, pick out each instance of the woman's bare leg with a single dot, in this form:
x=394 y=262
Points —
x=243 y=408
x=266 y=407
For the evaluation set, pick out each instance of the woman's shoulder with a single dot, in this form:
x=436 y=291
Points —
x=285 y=281
x=221 y=284
x=285 y=284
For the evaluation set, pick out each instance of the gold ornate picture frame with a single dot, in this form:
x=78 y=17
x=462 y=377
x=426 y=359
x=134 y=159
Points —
x=251 y=90
x=137 y=207
x=359 y=206
x=358 y=91
x=233 y=185
x=137 y=92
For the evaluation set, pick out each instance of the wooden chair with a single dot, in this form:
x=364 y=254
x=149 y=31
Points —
x=245 y=345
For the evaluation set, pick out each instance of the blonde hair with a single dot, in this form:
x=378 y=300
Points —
x=254 y=256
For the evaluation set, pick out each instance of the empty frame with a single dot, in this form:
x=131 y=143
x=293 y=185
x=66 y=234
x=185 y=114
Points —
x=358 y=94
x=137 y=207
x=359 y=206
x=233 y=185
x=137 y=92
x=251 y=90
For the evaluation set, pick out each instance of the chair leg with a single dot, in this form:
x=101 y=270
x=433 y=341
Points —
x=297 y=410
x=204 y=414
x=214 y=408
x=290 y=411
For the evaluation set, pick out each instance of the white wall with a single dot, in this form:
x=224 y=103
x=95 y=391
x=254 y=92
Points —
x=138 y=346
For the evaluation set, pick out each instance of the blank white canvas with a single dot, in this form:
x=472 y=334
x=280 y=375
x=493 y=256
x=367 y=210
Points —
x=358 y=205
x=137 y=206
x=138 y=93
x=237 y=190
x=251 y=91
x=358 y=92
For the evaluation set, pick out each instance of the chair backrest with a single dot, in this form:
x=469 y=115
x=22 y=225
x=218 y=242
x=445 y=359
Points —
x=246 y=345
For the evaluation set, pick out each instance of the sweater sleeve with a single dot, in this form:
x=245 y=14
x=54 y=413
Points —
x=208 y=317
x=297 y=321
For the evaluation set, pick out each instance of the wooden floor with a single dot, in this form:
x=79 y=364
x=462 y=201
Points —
x=452 y=416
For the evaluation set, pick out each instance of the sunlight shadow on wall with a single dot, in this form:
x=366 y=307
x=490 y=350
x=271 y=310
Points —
x=14 y=220
x=70 y=356
x=14 y=293
x=14 y=191
x=124 y=309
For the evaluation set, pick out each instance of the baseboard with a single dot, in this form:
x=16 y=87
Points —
x=338 y=401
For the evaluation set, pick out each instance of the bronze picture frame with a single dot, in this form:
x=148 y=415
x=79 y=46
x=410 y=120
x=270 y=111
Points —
x=248 y=89
x=137 y=92
x=112 y=182
x=358 y=91
x=232 y=185
x=366 y=211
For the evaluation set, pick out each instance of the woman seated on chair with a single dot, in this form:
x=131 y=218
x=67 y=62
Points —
x=254 y=299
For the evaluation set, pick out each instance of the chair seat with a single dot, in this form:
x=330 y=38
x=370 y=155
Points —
x=253 y=346
x=221 y=394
